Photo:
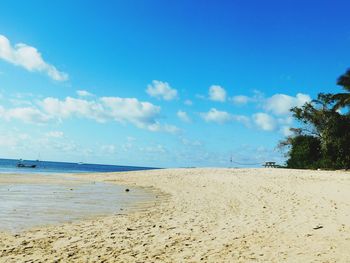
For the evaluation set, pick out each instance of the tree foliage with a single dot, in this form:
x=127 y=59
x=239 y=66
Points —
x=305 y=152
x=343 y=99
x=323 y=138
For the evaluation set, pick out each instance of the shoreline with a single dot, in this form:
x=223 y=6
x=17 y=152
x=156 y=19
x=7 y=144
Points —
x=38 y=201
x=206 y=215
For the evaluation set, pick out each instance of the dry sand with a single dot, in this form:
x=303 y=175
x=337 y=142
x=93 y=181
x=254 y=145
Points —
x=206 y=215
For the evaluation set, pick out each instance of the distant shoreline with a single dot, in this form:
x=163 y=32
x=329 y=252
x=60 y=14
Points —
x=10 y=166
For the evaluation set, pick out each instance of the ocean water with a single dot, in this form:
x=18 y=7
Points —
x=35 y=200
x=9 y=166
x=35 y=197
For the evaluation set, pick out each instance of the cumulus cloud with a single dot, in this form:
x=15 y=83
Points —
x=141 y=114
x=8 y=142
x=285 y=130
x=84 y=93
x=155 y=149
x=240 y=99
x=193 y=143
x=264 y=121
x=217 y=93
x=13 y=140
x=241 y=118
x=277 y=115
x=73 y=107
x=25 y=114
x=183 y=116
x=29 y=58
x=123 y=110
x=161 y=90
x=188 y=102
x=55 y=134
x=280 y=104
x=214 y=115
x=109 y=149
x=157 y=127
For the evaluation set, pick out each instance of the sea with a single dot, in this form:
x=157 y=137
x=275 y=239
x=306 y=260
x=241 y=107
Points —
x=40 y=196
x=9 y=166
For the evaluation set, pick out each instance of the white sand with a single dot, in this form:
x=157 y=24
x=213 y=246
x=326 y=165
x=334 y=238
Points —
x=207 y=215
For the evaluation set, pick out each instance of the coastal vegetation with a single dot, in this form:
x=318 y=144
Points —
x=322 y=138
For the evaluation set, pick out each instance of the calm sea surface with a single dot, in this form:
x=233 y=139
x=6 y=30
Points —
x=9 y=166
x=32 y=197
x=34 y=200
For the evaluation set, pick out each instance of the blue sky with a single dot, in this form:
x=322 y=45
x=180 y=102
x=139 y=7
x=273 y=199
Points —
x=163 y=83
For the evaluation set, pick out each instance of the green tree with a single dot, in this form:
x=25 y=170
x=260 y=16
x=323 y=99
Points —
x=335 y=143
x=323 y=138
x=343 y=99
x=305 y=152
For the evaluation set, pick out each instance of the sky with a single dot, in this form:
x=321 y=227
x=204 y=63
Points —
x=163 y=83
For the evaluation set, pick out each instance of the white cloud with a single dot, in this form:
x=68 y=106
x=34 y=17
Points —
x=285 y=121
x=130 y=139
x=55 y=134
x=285 y=130
x=124 y=110
x=183 y=116
x=280 y=104
x=29 y=58
x=285 y=125
x=20 y=102
x=161 y=90
x=65 y=146
x=217 y=93
x=156 y=149
x=170 y=128
x=157 y=127
x=25 y=114
x=143 y=115
x=240 y=99
x=188 y=102
x=340 y=111
x=193 y=143
x=201 y=97
x=264 y=121
x=241 y=118
x=84 y=93
x=214 y=115
x=73 y=107
x=9 y=141
x=109 y=149
x=129 y=144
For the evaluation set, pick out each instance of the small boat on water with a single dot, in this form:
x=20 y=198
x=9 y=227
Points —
x=20 y=164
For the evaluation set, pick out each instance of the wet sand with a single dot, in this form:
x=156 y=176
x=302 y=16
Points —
x=32 y=200
x=206 y=215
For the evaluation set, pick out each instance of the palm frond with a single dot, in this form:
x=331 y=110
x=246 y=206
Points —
x=343 y=99
x=344 y=80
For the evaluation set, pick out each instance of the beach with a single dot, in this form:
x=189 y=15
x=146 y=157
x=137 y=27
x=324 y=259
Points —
x=204 y=215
